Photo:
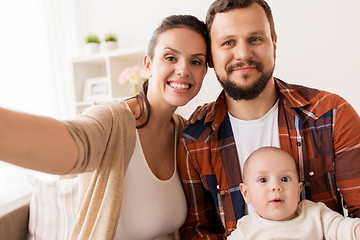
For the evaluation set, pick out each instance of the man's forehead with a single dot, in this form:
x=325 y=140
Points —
x=243 y=19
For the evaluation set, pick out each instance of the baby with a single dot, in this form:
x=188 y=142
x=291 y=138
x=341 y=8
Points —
x=271 y=185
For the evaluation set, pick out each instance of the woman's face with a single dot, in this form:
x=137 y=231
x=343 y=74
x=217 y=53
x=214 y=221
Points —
x=177 y=68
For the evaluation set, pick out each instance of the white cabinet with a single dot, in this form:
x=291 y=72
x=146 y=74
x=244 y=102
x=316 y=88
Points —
x=104 y=67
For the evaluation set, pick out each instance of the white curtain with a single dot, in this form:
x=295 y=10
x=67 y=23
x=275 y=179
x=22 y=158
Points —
x=33 y=70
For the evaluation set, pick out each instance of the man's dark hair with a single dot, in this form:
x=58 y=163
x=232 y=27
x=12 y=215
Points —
x=220 y=6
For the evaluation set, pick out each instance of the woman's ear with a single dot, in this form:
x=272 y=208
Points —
x=244 y=191
x=147 y=64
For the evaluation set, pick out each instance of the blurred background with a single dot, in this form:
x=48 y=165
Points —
x=42 y=40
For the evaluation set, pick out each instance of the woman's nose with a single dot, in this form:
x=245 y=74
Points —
x=182 y=70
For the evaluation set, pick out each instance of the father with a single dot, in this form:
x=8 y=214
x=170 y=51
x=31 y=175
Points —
x=319 y=129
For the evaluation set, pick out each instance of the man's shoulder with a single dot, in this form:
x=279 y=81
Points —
x=305 y=91
x=197 y=130
x=214 y=116
x=309 y=98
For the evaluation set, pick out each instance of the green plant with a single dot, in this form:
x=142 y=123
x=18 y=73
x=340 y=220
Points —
x=92 y=38
x=110 y=37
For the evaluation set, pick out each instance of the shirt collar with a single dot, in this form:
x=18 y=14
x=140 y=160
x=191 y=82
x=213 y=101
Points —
x=289 y=94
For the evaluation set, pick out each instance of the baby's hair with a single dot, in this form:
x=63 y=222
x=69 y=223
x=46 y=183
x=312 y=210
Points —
x=248 y=160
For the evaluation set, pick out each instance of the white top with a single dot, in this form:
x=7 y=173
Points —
x=313 y=221
x=151 y=208
x=253 y=134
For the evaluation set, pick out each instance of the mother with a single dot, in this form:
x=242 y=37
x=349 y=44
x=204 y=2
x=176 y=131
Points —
x=131 y=189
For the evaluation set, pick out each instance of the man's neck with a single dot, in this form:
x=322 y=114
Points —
x=256 y=108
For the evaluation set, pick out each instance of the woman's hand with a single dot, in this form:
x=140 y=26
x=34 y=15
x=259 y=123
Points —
x=199 y=113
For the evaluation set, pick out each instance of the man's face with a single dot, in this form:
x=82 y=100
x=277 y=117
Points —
x=243 y=51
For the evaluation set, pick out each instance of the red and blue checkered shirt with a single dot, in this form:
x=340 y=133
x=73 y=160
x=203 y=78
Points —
x=319 y=129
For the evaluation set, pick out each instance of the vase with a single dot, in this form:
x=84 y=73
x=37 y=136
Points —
x=109 y=45
x=92 y=48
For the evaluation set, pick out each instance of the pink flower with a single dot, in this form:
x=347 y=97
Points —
x=134 y=75
x=123 y=77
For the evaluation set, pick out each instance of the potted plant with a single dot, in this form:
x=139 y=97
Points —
x=92 y=43
x=110 y=42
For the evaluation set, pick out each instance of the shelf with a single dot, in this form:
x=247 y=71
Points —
x=100 y=56
x=107 y=66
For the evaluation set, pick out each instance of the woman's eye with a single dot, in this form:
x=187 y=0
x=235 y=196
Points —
x=262 y=180
x=170 y=58
x=285 y=179
x=196 y=62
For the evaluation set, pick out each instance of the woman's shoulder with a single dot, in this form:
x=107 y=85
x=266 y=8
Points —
x=115 y=105
x=108 y=109
x=179 y=122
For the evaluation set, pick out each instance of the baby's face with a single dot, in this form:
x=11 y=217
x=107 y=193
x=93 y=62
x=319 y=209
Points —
x=272 y=185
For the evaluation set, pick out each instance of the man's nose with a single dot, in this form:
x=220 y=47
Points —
x=243 y=51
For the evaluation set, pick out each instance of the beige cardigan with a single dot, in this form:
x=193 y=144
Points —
x=105 y=136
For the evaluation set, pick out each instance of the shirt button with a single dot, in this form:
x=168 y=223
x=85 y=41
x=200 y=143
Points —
x=311 y=173
x=298 y=143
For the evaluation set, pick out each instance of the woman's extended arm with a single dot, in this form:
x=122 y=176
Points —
x=36 y=142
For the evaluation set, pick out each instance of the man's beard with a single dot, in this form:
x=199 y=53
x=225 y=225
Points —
x=245 y=93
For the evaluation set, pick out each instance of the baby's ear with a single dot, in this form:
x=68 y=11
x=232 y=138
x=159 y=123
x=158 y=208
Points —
x=244 y=191
x=300 y=187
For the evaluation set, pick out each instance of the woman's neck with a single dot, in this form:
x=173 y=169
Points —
x=160 y=115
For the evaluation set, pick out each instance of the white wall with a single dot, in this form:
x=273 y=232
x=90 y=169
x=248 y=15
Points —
x=318 y=45
x=318 y=41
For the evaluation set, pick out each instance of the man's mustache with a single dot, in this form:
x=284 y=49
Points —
x=258 y=65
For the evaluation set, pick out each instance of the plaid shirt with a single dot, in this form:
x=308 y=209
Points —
x=319 y=129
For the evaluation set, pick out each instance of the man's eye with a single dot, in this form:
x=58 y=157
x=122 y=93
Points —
x=262 y=180
x=285 y=179
x=254 y=40
x=228 y=43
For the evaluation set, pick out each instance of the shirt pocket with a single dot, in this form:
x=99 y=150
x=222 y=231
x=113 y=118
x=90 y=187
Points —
x=212 y=186
x=229 y=201
x=322 y=181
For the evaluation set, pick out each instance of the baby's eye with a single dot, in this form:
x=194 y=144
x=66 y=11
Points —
x=285 y=179
x=262 y=180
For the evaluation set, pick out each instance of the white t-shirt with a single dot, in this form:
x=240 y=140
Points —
x=253 y=134
x=150 y=207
